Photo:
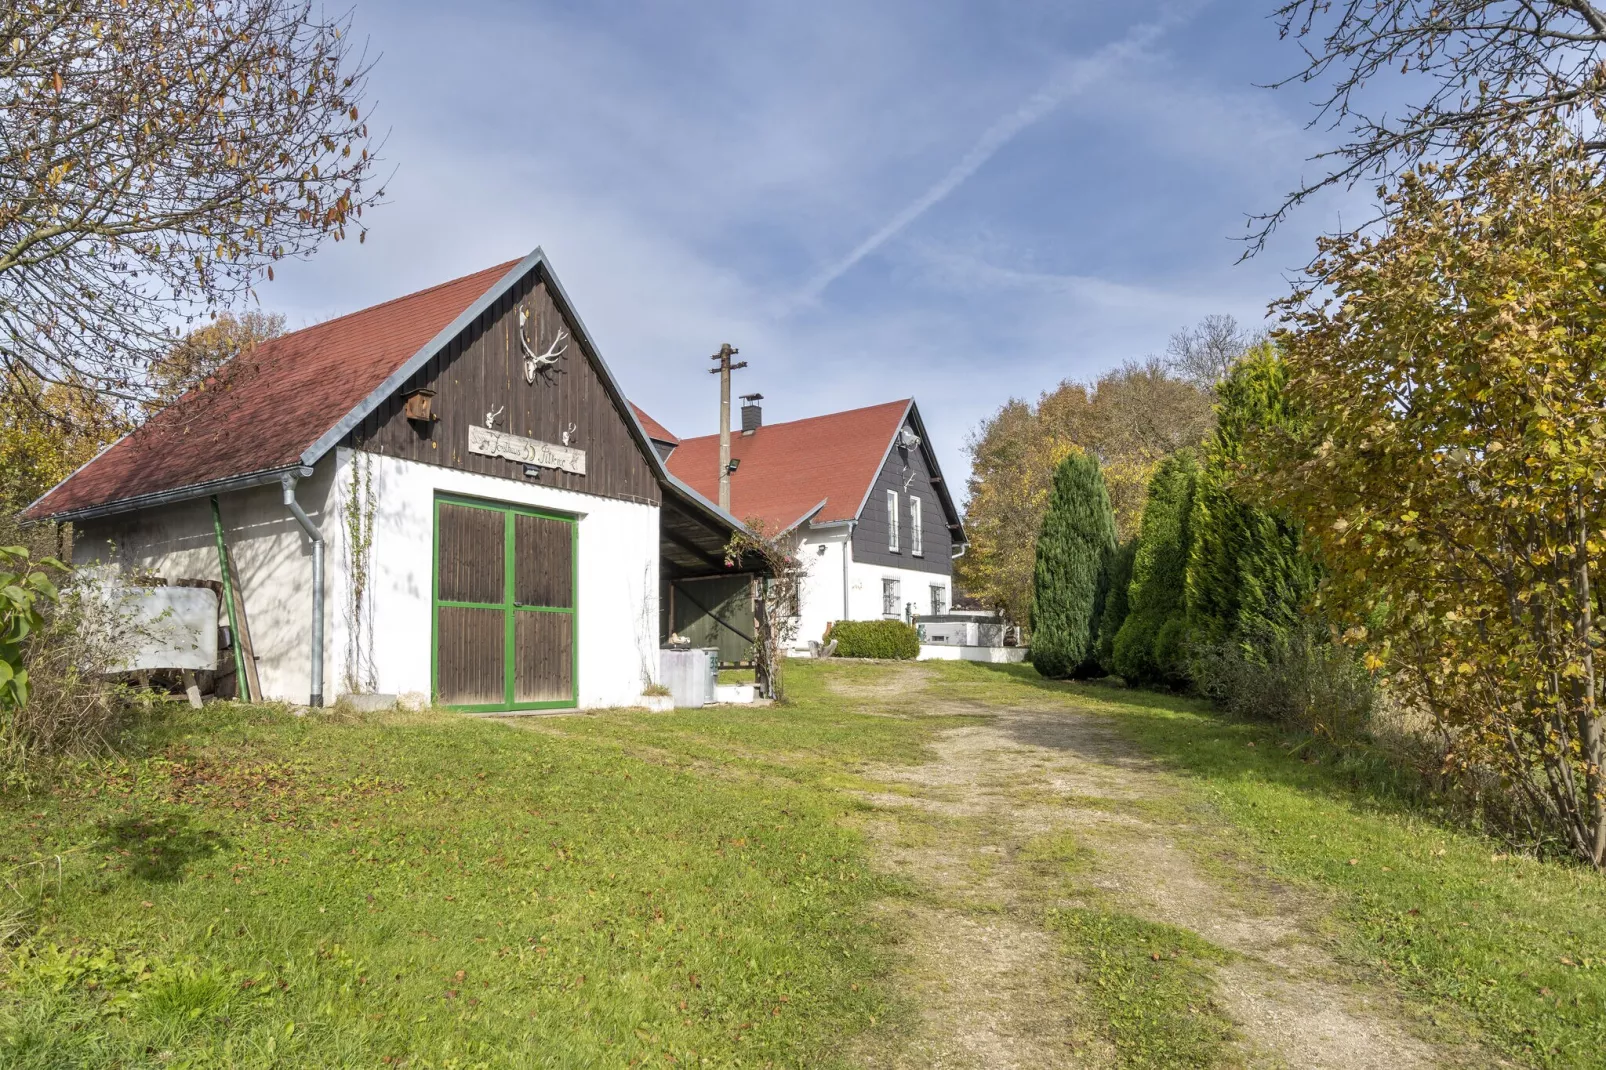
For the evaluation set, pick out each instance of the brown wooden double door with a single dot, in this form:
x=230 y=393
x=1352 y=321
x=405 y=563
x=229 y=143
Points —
x=504 y=607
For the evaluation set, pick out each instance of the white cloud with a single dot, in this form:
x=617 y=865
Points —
x=685 y=168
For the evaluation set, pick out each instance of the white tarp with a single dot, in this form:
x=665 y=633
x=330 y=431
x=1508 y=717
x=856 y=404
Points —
x=159 y=627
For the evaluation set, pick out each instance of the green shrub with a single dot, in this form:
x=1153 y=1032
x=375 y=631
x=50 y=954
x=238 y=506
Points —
x=25 y=593
x=1068 y=581
x=1295 y=675
x=1146 y=651
x=1117 y=582
x=875 y=639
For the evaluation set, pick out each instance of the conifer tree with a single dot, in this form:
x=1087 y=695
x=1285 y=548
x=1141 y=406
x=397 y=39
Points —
x=1073 y=550
x=1118 y=581
x=1247 y=576
x=1149 y=648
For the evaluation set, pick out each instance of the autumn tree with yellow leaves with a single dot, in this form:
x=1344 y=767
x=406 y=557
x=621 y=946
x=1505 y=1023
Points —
x=1452 y=366
x=1131 y=419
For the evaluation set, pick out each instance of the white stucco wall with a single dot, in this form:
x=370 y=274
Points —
x=271 y=554
x=822 y=588
x=617 y=592
x=617 y=595
x=820 y=597
x=864 y=595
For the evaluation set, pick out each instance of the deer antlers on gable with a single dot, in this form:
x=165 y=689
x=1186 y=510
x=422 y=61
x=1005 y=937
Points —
x=533 y=363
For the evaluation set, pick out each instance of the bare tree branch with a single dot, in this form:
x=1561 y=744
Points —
x=1205 y=353
x=156 y=158
x=1483 y=65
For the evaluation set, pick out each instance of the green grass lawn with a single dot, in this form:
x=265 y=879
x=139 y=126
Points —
x=1518 y=944
x=246 y=888
x=435 y=891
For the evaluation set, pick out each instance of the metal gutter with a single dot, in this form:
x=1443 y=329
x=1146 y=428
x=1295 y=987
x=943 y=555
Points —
x=180 y=494
x=289 y=484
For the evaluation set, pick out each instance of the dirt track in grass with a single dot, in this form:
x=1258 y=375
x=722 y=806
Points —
x=1041 y=807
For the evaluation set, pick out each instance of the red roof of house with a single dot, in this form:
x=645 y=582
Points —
x=655 y=430
x=787 y=469
x=280 y=398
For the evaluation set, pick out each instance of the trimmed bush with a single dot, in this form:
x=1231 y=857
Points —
x=1117 y=582
x=875 y=639
x=1146 y=650
x=1068 y=583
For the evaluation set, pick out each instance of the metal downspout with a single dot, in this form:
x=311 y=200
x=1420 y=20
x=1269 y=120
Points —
x=847 y=550
x=289 y=483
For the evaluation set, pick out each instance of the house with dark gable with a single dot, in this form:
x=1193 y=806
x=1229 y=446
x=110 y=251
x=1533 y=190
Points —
x=874 y=519
x=445 y=495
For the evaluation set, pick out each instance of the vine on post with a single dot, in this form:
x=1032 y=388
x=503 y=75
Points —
x=360 y=505
x=777 y=580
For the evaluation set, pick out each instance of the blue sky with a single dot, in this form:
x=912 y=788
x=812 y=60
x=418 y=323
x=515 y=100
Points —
x=963 y=202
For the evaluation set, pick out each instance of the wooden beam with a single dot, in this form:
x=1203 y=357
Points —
x=694 y=550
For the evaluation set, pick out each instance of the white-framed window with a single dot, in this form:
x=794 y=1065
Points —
x=915 y=547
x=939 y=600
x=889 y=597
x=892 y=521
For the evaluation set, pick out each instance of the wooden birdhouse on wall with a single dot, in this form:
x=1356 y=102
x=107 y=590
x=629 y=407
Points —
x=419 y=406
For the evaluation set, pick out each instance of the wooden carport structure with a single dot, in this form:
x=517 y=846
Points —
x=703 y=595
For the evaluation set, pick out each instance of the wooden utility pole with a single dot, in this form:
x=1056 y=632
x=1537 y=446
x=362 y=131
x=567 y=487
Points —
x=726 y=352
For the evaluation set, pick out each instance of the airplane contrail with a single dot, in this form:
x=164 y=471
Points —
x=1071 y=78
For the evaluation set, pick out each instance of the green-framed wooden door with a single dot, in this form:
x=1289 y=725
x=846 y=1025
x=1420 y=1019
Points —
x=504 y=608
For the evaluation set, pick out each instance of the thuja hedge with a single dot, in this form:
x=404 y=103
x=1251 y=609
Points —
x=875 y=639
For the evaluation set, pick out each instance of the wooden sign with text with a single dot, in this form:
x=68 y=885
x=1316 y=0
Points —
x=490 y=443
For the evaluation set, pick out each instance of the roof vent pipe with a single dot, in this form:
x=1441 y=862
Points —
x=752 y=415
x=289 y=482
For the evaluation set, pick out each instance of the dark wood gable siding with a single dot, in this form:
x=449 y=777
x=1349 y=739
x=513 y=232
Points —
x=870 y=534
x=483 y=369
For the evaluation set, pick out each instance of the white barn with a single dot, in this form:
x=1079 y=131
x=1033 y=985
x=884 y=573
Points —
x=445 y=496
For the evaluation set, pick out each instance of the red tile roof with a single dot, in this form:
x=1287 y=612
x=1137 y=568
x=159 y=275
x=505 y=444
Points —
x=655 y=430
x=788 y=468
x=280 y=399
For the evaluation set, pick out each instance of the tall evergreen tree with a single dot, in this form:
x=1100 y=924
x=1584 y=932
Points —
x=1149 y=648
x=1117 y=583
x=1247 y=576
x=1073 y=550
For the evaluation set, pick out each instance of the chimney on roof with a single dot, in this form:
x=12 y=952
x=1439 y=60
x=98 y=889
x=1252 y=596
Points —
x=752 y=415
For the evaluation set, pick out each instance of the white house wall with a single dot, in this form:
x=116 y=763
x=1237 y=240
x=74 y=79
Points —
x=864 y=595
x=271 y=553
x=820 y=595
x=821 y=598
x=617 y=569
